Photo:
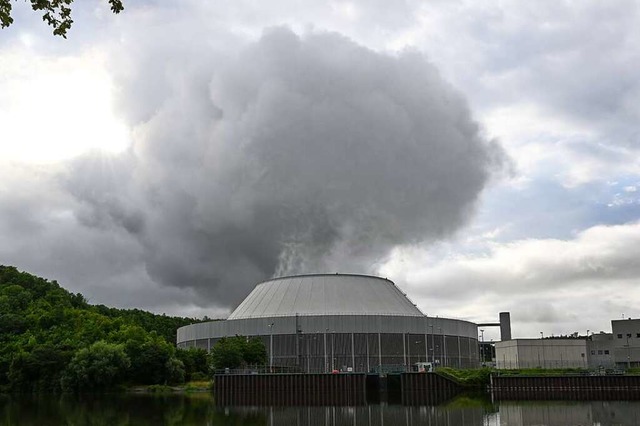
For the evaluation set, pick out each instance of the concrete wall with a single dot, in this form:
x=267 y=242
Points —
x=600 y=350
x=541 y=353
x=626 y=342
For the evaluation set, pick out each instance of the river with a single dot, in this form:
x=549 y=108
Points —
x=200 y=409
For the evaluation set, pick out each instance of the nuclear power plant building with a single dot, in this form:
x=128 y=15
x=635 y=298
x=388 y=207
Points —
x=321 y=323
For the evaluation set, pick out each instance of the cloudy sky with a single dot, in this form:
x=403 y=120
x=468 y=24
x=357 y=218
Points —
x=482 y=155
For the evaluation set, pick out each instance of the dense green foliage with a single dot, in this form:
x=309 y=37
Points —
x=49 y=336
x=238 y=351
x=98 y=367
x=195 y=362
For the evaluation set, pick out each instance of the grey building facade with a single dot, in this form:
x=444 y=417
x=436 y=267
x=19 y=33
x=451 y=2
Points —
x=600 y=347
x=320 y=323
x=626 y=342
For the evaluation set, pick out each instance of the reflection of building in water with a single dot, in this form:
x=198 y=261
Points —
x=320 y=323
x=366 y=415
x=562 y=413
x=521 y=413
x=619 y=413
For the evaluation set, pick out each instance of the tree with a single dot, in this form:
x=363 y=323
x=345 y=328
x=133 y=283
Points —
x=56 y=13
x=195 y=361
x=38 y=370
x=254 y=353
x=98 y=367
x=227 y=353
x=238 y=351
x=43 y=327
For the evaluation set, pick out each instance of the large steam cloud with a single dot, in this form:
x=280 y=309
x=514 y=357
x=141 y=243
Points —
x=298 y=155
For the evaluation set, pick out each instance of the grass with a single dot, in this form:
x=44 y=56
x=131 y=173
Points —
x=477 y=378
x=198 y=386
x=480 y=378
x=542 y=372
x=189 y=387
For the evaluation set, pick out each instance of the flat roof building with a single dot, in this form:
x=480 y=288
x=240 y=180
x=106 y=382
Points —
x=541 y=353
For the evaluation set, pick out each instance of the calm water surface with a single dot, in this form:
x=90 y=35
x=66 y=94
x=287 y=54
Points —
x=200 y=409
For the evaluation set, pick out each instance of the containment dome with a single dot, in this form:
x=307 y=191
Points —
x=325 y=294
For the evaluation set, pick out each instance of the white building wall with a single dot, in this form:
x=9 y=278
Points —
x=626 y=342
x=541 y=353
x=600 y=350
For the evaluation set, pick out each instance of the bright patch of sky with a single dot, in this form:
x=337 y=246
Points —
x=54 y=109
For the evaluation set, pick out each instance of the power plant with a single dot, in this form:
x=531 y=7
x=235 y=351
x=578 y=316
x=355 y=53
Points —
x=343 y=322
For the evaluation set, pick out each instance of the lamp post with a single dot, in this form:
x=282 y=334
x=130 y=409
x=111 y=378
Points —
x=333 y=359
x=308 y=354
x=544 y=357
x=408 y=352
x=628 y=352
x=270 y=347
x=326 y=363
x=443 y=355
x=433 y=345
x=482 y=346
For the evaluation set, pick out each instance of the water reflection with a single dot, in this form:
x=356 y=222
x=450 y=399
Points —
x=200 y=409
x=561 y=413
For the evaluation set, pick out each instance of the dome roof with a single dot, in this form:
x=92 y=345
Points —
x=325 y=295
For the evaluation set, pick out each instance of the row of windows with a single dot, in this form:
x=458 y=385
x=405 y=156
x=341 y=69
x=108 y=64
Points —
x=606 y=352
x=628 y=335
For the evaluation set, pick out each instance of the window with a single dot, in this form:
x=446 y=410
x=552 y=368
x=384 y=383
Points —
x=638 y=335
x=593 y=352
x=606 y=352
x=628 y=334
x=600 y=352
x=619 y=336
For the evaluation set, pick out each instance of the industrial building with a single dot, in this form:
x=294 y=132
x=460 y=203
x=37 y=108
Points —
x=321 y=323
x=618 y=349
x=626 y=342
x=600 y=348
x=541 y=353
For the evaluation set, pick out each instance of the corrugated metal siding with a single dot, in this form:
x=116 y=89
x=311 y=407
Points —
x=331 y=324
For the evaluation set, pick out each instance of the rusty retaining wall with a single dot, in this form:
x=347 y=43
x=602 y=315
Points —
x=290 y=389
x=565 y=387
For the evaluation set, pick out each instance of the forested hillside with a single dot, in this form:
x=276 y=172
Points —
x=52 y=340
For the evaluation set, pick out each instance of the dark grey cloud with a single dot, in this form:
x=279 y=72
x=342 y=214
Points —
x=299 y=154
x=293 y=154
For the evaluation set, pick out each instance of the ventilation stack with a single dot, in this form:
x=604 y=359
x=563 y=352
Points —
x=505 y=326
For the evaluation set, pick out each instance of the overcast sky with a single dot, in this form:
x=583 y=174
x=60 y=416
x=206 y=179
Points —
x=482 y=155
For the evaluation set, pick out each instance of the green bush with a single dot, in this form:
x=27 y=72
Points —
x=199 y=377
x=472 y=378
x=237 y=352
x=99 y=367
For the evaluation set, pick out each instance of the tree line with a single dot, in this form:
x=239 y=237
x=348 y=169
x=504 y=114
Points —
x=52 y=340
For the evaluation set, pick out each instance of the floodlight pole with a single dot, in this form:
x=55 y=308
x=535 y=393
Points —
x=270 y=347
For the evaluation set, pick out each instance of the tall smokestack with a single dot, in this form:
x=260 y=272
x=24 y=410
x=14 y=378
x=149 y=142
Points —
x=505 y=326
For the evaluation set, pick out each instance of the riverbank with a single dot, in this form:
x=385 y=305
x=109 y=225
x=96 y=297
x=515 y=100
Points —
x=190 y=387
